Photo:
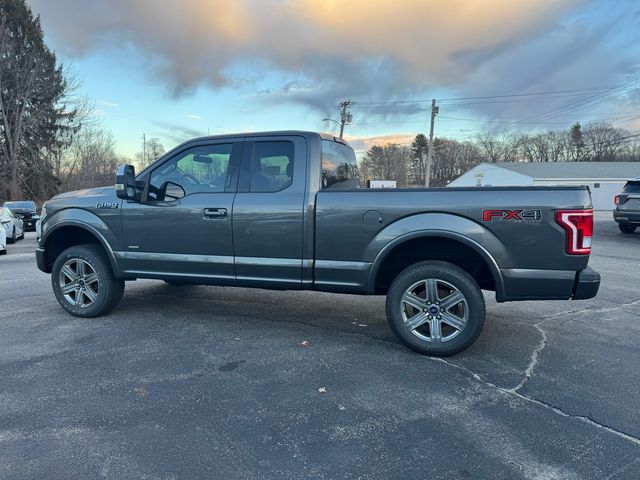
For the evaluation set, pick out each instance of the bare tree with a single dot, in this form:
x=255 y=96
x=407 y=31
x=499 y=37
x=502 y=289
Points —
x=91 y=160
x=503 y=148
x=386 y=162
x=151 y=150
x=604 y=143
x=452 y=159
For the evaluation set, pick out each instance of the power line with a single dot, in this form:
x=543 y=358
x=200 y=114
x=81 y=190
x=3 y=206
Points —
x=532 y=93
x=627 y=120
x=590 y=101
x=509 y=121
x=557 y=93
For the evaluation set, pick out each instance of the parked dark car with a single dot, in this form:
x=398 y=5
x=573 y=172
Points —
x=281 y=210
x=27 y=211
x=627 y=211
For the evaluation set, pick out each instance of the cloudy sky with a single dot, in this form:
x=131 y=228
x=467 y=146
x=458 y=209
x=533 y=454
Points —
x=179 y=69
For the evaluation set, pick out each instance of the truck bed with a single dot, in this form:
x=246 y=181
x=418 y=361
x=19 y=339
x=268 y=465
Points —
x=354 y=227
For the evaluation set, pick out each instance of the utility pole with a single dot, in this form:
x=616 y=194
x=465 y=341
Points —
x=434 y=112
x=345 y=115
x=144 y=150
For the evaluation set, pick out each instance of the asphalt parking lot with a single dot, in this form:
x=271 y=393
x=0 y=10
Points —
x=204 y=382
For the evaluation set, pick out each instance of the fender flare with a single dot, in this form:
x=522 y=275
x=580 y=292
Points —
x=441 y=233
x=89 y=228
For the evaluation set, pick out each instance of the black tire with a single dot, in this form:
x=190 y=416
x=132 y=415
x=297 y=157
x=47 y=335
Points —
x=109 y=291
x=21 y=237
x=450 y=279
x=627 y=228
x=12 y=238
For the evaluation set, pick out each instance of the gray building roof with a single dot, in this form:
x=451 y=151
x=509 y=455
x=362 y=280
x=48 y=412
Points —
x=574 y=170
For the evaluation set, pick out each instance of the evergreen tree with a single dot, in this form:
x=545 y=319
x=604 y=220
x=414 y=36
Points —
x=419 y=149
x=577 y=141
x=35 y=122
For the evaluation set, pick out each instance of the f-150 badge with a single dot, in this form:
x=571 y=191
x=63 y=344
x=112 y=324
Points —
x=107 y=205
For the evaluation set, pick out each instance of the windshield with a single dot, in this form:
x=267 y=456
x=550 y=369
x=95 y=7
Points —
x=30 y=205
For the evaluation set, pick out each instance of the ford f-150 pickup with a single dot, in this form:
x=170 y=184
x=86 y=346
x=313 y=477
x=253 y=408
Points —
x=283 y=210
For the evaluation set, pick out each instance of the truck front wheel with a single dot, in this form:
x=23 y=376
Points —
x=435 y=308
x=83 y=282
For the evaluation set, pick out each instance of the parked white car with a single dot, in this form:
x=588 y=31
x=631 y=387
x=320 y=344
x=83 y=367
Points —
x=13 y=226
x=3 y=242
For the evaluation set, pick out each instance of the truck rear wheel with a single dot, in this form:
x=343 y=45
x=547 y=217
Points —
x=435 y=308
x=83 y=282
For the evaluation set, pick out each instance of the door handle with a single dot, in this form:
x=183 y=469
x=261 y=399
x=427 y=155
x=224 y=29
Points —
x=215 y=213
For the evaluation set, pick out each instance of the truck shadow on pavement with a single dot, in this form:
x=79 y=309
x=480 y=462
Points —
x=502 y=351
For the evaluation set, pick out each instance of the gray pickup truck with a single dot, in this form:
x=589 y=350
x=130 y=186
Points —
x=283 y=210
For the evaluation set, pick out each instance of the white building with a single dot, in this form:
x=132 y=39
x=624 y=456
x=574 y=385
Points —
x=604 y=179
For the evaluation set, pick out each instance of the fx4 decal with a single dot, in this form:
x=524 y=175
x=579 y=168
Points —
x=518 y=215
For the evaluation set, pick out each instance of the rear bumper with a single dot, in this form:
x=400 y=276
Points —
x=587 y=284
x=529 y=284
x=623 y=216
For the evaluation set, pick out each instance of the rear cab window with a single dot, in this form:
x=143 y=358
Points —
x=339 y=166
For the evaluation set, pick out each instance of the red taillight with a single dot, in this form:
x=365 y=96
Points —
x=620 y=199
x=578 y=224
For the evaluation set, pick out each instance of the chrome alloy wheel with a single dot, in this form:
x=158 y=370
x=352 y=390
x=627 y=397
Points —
x=434 y=310
x=79 y=282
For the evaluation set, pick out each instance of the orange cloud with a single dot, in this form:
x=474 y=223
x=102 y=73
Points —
x=361 y=144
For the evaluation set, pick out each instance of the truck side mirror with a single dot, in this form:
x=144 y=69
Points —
x=126 y=182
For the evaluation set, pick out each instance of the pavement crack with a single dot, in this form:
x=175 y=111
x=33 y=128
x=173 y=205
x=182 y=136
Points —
x=580 y=311
x=583 y=418
x=557 y=410
x=533 y=360
x=465 y=369
x=577 y=311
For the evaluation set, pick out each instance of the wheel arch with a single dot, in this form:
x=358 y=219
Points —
x=69 y=233
x=453 y=243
